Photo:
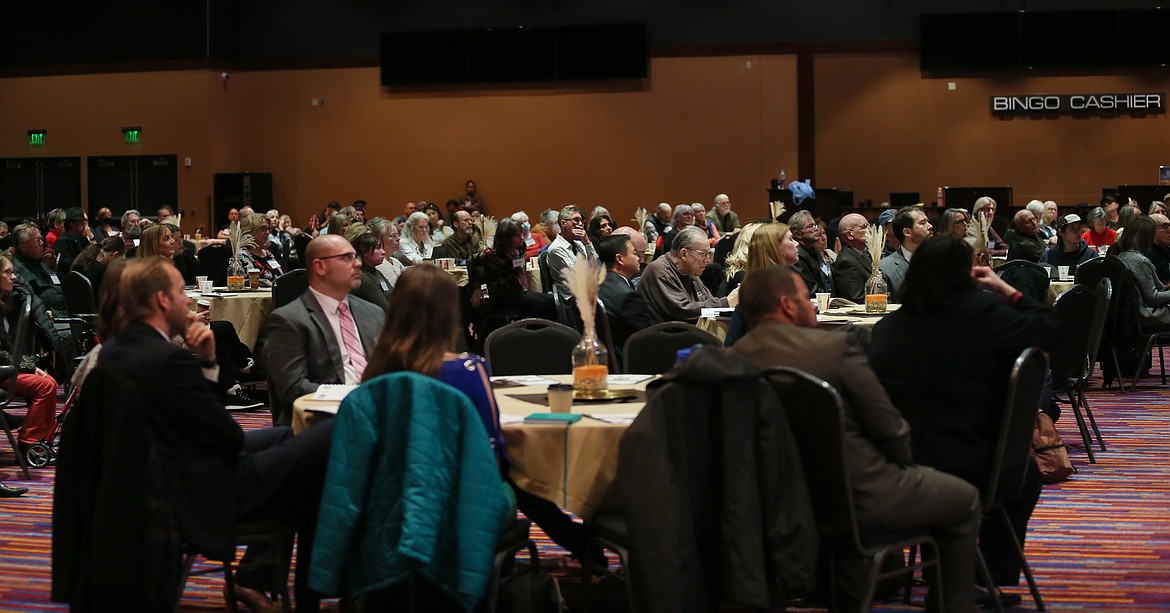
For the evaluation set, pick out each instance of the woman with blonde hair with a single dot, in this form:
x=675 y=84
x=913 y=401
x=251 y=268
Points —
x=256 y=255
x=156 y=240
x=772 y=244
x=736 y=262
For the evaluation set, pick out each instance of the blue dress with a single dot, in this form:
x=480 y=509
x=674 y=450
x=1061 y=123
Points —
x=469 y=374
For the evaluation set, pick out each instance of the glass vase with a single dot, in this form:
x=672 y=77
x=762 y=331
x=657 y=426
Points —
x=876 y=294
x=590 y=366
x=235 y=275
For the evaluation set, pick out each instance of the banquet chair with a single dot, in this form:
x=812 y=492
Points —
x=816 y=413
x=1028 y=277
x=1090 y=274
x=82 y=306
x=289 y=287
x=600 y=326
x=653 y=351
x=22 y=342
x=531 y=347
x=723 y=248
x=213 y=261
x=546 y=279
x=1130 y=326
x=1082 y=311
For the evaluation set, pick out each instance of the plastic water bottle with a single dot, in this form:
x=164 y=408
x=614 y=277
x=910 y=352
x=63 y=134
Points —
x=781 y=179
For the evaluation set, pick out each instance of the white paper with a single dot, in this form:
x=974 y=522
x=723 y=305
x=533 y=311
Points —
x=716 y=312
x=626 y=379
x=511 y=419
x=614 y=418
x=525 y=380
x=333 y=392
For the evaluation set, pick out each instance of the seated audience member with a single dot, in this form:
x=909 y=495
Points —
x=185 y=258
x=164 y=214
x=1125 y=215
x=638 y=240
x=1157 y=206
x=1100 y=235
x=957 y=433
x=682 y=217
x=438 y=228
x=1070 y=249
x=472 y=200
x=1159 y=252
x=953 y=222
x=812 y=267
x=32 y=383
x=888 y=487
x=72 y=239
x=736 y=264
x=1024 y=240
x=338 y=223
x=534 y=242
x=103 y=226
x=427 y=346
x=374 y=287
x=233 y=217
x=502 y=268
x=131 y=229
x=325 y=335
x=464 y=241
x=600 y=211
x=671 y=284
x=599 y=227
x=771 y=245
x=256 y=255
x=1130 y=249
x=410 y=208
x=722 y=217
x=625 y=308
x=911 y=229
x=986 y=206
x=419 y=245
x=547 y=226
x=658 y=223
x=1048 y=221
x=32 y=271
x=1040 y=213
x=1112 y=209
x=55 y=221
x=854 y=265
x=572 y=241
x=390 y=267
x=218 y=474
x=94 y=259
x=705 y=224
x=156 y=240
x=883 y=222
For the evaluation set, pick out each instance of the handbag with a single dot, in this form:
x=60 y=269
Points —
x=1050 y=452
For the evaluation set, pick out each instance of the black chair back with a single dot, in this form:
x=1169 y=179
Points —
x=600 y=326
x=21 y=344
x=437 y=252
x=1076 y=309
x=78 y=293
x=1090 y=274
x=1014 y=448
x=289 y=287
x=531 y=347
x=301 y=244
x=1104 y=294
x=653 y=351
x=1029 y=277
x=723 y=248
x=815 y=411
x=546 y=280
x=213 y=262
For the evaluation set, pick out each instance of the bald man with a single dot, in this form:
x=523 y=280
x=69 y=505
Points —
x=1025 y=241
x=854 y=265
x=311 y=339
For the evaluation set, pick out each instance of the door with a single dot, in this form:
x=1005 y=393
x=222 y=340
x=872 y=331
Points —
x=141 y=182
x=31 y=187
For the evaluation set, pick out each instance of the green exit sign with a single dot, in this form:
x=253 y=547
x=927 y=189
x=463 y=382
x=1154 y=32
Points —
x=132 y=136
x=36 y=138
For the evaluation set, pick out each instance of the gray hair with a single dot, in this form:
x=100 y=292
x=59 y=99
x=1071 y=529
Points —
x=549 y=217
x=567 y=212
x=687 y=238
x=54 y=216
x=721 y=198
x=520 y=216
x=416 y=217
x=1155 y=204
x=980 y=203
x=676 y=216
x=126 y=216
x=1037 y=209
x=381 y=226
x=598 y=211
x=23 y=231
x=699 y=210
x=1095 y=214
x=799 y=221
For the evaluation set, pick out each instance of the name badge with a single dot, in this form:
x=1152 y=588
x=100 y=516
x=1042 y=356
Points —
x=530 y=241
x=53 y=276
x=518 y=263
x=385 y=286
x=272 y=263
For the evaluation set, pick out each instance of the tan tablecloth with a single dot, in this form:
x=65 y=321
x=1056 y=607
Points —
x=248 y=311
x=831 y=318
x=1056 y=288
x=572 y=466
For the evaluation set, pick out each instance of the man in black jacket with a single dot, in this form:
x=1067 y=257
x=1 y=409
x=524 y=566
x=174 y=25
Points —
x=854 y=265
x=72 y=239
x=626 y=309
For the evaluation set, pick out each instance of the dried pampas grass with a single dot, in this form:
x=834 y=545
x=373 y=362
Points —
x=777 y=209
x=640 y=217
x=583 y=280
x=875 y=241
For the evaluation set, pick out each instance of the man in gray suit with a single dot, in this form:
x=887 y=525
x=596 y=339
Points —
x=891 y=494
x=911 y=228
x=311 y=340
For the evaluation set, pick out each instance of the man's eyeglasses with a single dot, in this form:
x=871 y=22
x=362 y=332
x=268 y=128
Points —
x=703 y=254
x=345 y=257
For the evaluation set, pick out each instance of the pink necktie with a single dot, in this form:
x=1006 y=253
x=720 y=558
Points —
x=353 y=345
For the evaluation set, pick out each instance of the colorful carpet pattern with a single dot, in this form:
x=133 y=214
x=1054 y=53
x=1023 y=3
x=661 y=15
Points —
x=1098 y=542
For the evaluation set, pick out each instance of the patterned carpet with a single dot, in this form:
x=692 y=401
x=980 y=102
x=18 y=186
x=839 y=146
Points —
x=1098 y=542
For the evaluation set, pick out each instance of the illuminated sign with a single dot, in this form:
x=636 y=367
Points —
x=1079 y=103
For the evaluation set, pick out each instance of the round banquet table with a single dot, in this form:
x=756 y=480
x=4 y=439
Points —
x=247 y=310
x=831 y=318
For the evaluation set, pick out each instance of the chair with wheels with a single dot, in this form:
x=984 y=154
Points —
x=531 y=347
x=652 y=351
x=816 y=413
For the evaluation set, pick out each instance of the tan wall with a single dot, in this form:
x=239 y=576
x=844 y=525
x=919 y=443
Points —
x=882 y=127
